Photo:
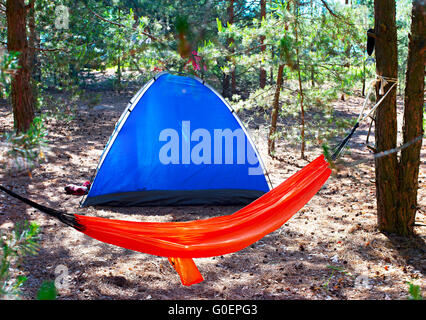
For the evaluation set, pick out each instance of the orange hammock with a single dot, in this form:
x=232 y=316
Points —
x=182 y=241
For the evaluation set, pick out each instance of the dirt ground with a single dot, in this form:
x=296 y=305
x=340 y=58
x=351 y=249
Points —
x=331 y=249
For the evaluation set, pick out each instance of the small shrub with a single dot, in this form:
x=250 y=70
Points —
x=8 y=65
x=47 y=291
x=22 y=241
x=414 y=292
x=22 y=151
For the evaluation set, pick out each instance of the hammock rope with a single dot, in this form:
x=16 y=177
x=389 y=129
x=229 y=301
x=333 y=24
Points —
x=383 y=81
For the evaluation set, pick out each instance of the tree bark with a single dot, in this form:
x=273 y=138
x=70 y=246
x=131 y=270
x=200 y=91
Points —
x=275 y=109
x=262 y=75
x=32 y=55
x=21 y=93
x=413 y=121
x=387 y=168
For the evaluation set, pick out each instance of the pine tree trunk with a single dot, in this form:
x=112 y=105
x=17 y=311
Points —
x=413 y=121
x=262 y=75
x=32 y=56
x=119 y=59
x=233 y=82
x=302 y=109
x=386 y=122
x=363 y=78
x=228 y=82
x=118 y=88
x=225 y=86
x=275 y=109
x=231 y=41
x=37 y=61
x=21 y=93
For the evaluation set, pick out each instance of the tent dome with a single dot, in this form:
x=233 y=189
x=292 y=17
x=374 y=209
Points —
x=178 y=142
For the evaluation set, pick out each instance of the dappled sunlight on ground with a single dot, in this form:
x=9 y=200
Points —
x=330 y=249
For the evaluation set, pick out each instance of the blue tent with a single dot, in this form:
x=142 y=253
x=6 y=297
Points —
x=178 y=142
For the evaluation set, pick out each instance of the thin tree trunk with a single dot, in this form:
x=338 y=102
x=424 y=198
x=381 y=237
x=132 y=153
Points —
x=231 y=21
x=275 y=109
x=386 y=122
x=225 y=86
x=119 y=75
x=229 y=83
x=37 y=61
x=363 y=77
x=348 y=55
x=21 y=93
x=262 y=75
x=233 y=82
x=302 y=109
x=413 y=121
x=119 y=58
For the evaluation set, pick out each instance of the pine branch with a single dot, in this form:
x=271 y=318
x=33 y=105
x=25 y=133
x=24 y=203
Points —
x=326 y=5
x=49 y=49
x=119 y=24
x=329 y=9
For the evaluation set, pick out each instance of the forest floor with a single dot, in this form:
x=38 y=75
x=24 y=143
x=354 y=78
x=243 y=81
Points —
x=330 y=249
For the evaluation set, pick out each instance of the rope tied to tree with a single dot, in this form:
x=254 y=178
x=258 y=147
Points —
x=383 y=81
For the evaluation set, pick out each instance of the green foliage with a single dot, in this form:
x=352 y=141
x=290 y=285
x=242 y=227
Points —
x=22 y=241
x=414 y=292
x=424 y=118
x=60 y=107
x=181 y=24
x=129 y=41
x=47 y=291
x=403 y=24
x=25 y=150
x=219 y=25
x=8 y=65
x=327 y=153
